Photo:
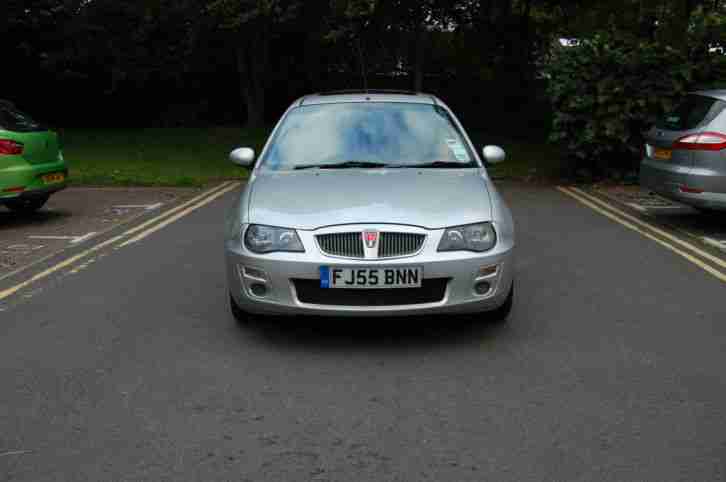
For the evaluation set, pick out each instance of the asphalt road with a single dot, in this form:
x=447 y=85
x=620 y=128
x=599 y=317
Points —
x=75 y=215
x=612 y=368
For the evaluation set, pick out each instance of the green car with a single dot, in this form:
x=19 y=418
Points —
x=31 y=162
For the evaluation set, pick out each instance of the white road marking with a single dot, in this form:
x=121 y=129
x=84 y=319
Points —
x=187 y=208
x=638 y=207
x=177 y=216
x=83 y=238
x=15 y=452
x=644 y=208
x=71 y=239
x=180 y=207
x=11 y=291
x=716 y=243
x=27 y=248
x=54 y=238
x=147 y=207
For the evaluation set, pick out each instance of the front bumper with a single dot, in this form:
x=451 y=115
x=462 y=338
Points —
x=460 y=269
x=667 y=179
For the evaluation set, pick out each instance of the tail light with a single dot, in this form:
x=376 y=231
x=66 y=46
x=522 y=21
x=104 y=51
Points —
x=690 y=190
x=10 y=148
x=702 y=141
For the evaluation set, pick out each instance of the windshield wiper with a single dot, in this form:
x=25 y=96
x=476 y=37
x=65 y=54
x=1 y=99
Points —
x=343 y=165
x=434 y=164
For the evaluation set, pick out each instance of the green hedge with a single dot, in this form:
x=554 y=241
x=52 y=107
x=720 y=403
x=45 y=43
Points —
x=608 y=89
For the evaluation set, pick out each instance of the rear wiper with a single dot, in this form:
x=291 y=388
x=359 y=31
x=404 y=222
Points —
x=343 y=165
x=434 y=164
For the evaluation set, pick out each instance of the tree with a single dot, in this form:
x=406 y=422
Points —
x=252 y=25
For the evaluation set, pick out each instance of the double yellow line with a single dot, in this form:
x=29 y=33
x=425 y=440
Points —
x=133 y=235
x=708 y=262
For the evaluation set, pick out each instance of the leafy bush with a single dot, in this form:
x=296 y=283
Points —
x=608 y=89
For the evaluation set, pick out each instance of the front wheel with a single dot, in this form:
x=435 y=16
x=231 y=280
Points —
x=710 y=211
x=26 y=205
x=501 y=314
x=239 y=314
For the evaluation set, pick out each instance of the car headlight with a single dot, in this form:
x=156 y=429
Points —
x=474 y=237
x=268 y=239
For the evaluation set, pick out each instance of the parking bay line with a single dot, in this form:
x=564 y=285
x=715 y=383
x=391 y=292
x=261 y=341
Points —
x=694 y=249
x=611 y=215
x=180 y=207
x=43 y=274
x=716 y=243
x=191 y=205
x=174 y=218
x=147 y=207
x=160 y=216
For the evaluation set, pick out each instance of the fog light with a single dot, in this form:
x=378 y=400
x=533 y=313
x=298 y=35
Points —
x=255 y=273
x=258 y=289
x=486 y=271
x=482 y=287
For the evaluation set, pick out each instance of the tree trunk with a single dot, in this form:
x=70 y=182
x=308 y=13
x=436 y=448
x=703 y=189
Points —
x=252 y=61
x=419 y=50
x=679 y=23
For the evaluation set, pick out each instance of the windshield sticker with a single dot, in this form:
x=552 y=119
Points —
x=458 y=150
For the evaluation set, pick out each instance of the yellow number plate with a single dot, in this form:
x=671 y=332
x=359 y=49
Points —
x=662 y=154
x=53 y=178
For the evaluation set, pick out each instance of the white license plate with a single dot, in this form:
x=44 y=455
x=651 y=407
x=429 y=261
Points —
x=362 y=278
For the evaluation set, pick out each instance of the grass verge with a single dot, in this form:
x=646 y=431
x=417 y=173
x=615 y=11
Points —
x=155 y=157
x=192 y=157
x=527 y=158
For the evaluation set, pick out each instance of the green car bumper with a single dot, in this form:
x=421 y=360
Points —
x=25 y=180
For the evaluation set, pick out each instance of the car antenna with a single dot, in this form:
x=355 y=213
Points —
x=362 y=65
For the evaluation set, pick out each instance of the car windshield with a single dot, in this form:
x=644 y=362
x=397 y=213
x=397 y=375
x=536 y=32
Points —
x=367 y=135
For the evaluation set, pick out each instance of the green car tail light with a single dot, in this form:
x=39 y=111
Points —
x=10 y=148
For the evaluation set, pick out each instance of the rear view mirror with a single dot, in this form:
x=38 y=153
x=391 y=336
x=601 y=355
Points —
x=244 y=156
x=494 y=154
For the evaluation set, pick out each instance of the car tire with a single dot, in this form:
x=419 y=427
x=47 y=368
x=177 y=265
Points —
x=239 y=314
x=501 y=314
x=709 y=211
x=26 y=206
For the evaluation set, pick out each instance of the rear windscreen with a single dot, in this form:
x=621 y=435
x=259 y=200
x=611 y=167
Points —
x=694 y=110
x=11 y=119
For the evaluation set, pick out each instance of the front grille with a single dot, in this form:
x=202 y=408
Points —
x=390 y=245
x=399 y=244
x=310 y=292
x=348 y=245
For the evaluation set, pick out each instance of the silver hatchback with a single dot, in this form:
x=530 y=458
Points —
x=685 y=152
x=369 y=204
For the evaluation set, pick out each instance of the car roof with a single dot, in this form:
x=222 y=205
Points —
x=717 y=93
x=368 y=95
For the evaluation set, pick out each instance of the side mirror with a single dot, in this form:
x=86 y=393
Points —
x=494 y=154
x=244 y=156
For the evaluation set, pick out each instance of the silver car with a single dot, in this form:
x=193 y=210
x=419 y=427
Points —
x=369 y=204
x=685 y=153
